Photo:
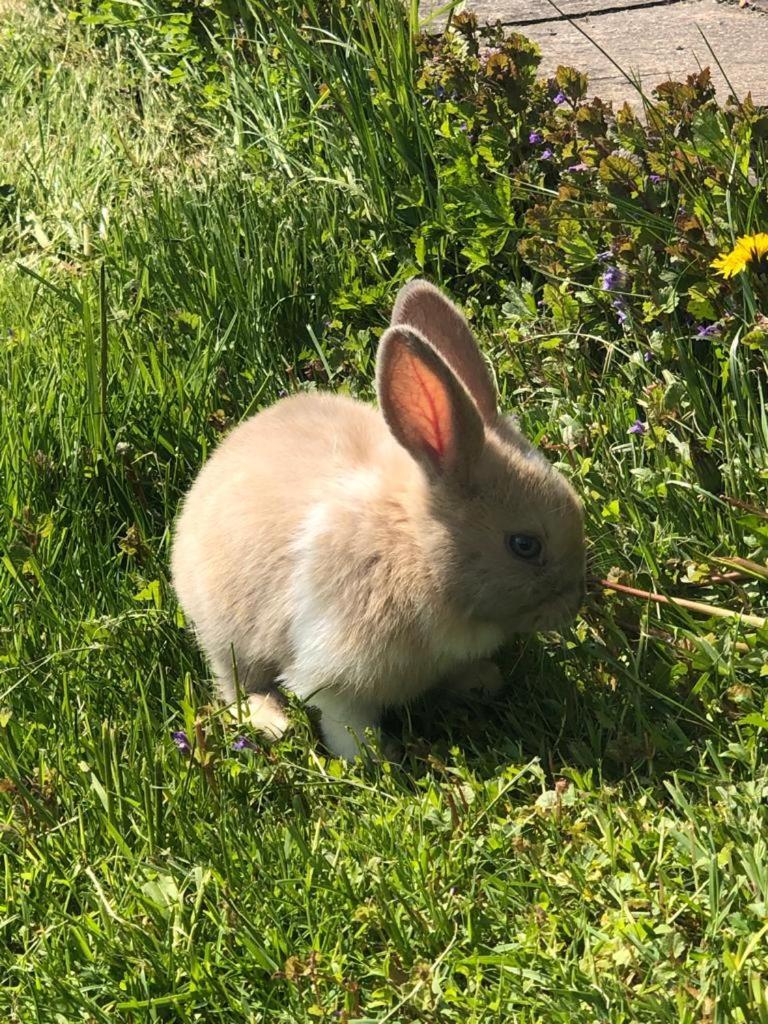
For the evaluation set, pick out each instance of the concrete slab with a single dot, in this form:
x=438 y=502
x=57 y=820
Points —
x=652 y=39
x=526 y=12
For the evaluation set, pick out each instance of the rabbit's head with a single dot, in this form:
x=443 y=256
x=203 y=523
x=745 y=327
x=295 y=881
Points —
x=503 y=530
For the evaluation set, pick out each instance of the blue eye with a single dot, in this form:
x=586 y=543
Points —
x=523 y=546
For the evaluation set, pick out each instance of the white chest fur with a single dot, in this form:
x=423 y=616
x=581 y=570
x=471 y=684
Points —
x=387 y=660
x=458 y=642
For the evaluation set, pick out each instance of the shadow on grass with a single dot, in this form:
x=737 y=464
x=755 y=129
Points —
x=565 y=710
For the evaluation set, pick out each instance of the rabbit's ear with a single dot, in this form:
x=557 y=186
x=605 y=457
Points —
x=426 y=406
x=419 y=304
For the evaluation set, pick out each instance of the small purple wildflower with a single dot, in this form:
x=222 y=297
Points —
x=708 y=331
x=485 y=53
x=621 y=310
x=648 y=357
x=638 y=427
x=559 y=99
x=535 y=138
x=655 y=179
x=463 y=127
x=579 y=168
x=546 y=154
x=613 y=278
x=243 y=743
x=182 y=742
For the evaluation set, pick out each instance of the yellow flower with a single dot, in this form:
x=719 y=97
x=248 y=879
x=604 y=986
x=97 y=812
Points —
x=749 y=249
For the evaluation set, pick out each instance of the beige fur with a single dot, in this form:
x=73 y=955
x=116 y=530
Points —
x=357 y=558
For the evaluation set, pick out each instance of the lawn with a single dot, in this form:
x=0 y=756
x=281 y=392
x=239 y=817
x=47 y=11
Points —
x=202 y=209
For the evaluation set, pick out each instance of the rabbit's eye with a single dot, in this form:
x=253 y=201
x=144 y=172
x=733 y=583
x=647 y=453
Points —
x=523 y=546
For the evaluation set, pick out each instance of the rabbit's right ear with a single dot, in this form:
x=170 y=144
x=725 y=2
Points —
x=419 y=304
x=426 y=406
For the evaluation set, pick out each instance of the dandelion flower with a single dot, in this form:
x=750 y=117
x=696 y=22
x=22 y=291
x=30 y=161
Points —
x=748 y=249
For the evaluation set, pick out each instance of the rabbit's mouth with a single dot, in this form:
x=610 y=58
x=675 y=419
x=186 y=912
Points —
x=559 y=609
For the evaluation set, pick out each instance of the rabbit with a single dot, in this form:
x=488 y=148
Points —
x=357 y=558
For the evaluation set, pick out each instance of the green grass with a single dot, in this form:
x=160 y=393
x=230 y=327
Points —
x=590 y=847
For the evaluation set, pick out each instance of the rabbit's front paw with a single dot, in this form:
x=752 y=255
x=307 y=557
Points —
x=391 y=749
x=267 y=716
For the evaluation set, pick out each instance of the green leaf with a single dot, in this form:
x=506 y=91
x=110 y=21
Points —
x=152 y=592
x=699 y=303
x=563 y=307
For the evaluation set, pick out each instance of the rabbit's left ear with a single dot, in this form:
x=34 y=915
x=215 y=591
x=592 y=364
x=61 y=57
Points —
x=420 y=305
x=426 y=406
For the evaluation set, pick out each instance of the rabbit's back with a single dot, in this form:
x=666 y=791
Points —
x=232 y=553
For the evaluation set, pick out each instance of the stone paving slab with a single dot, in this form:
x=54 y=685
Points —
x=523 y=12
x=652 y=39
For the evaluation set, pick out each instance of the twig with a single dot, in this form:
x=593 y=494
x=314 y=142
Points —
x=744 y=505
x=720 y=577
x=693 y=606
x=750 y=568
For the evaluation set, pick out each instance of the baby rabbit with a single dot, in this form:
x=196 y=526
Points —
x=359 y=557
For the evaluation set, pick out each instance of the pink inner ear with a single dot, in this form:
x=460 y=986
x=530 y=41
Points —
x=424 y=406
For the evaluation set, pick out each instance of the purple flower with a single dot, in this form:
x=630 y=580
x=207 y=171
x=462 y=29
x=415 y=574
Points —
x=647 y=357
x=578 y=168
x=708 y=331
x=463 y=126
x=613 y=278
x=535 y=138
x=485 y=53
x=243 y=743
x=621 y=310
x=638 y=427
x=655 y=179
x=182 y=742
x=559 y=99
x=546 y=154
